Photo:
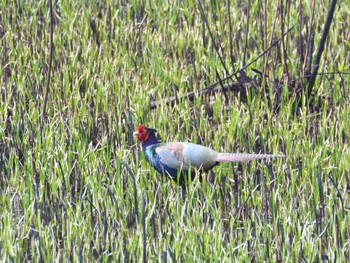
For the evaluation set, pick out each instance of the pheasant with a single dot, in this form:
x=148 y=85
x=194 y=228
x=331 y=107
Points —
x=175 y=159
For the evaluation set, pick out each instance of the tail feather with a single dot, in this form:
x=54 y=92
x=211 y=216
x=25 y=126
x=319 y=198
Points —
x=244 y=157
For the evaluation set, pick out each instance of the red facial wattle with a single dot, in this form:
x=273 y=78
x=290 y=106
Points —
x=142 y=133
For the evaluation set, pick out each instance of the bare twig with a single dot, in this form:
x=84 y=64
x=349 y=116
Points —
x=43 y=114
x=230 y=34
x=229 y=87
x=246 y=34
x=321 y=46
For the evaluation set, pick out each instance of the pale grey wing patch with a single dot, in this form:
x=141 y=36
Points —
x=200 y=156
x=172 y=156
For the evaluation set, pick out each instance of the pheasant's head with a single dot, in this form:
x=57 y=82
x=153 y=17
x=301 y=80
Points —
x=142 y=133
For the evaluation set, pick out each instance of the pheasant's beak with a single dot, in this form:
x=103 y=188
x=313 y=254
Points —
x=136 y=133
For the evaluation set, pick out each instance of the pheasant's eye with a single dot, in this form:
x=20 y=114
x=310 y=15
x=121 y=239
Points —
x=144 y=130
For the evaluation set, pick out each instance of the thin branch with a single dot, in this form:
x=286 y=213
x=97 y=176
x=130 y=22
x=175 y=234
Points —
x=230 y=34
x=321 y=46
x=246 y=34
x=229 y=87
x=43 y=114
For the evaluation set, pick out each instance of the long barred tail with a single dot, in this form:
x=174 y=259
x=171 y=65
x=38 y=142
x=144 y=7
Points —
x=244 y=157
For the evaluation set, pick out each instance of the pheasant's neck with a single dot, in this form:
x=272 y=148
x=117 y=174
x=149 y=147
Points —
x=152 y=139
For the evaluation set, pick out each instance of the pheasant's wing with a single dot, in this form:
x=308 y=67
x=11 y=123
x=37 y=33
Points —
x=171 y=155
x=199 y=156
x=182 y=155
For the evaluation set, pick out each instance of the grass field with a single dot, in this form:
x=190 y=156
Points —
x=75 y=186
